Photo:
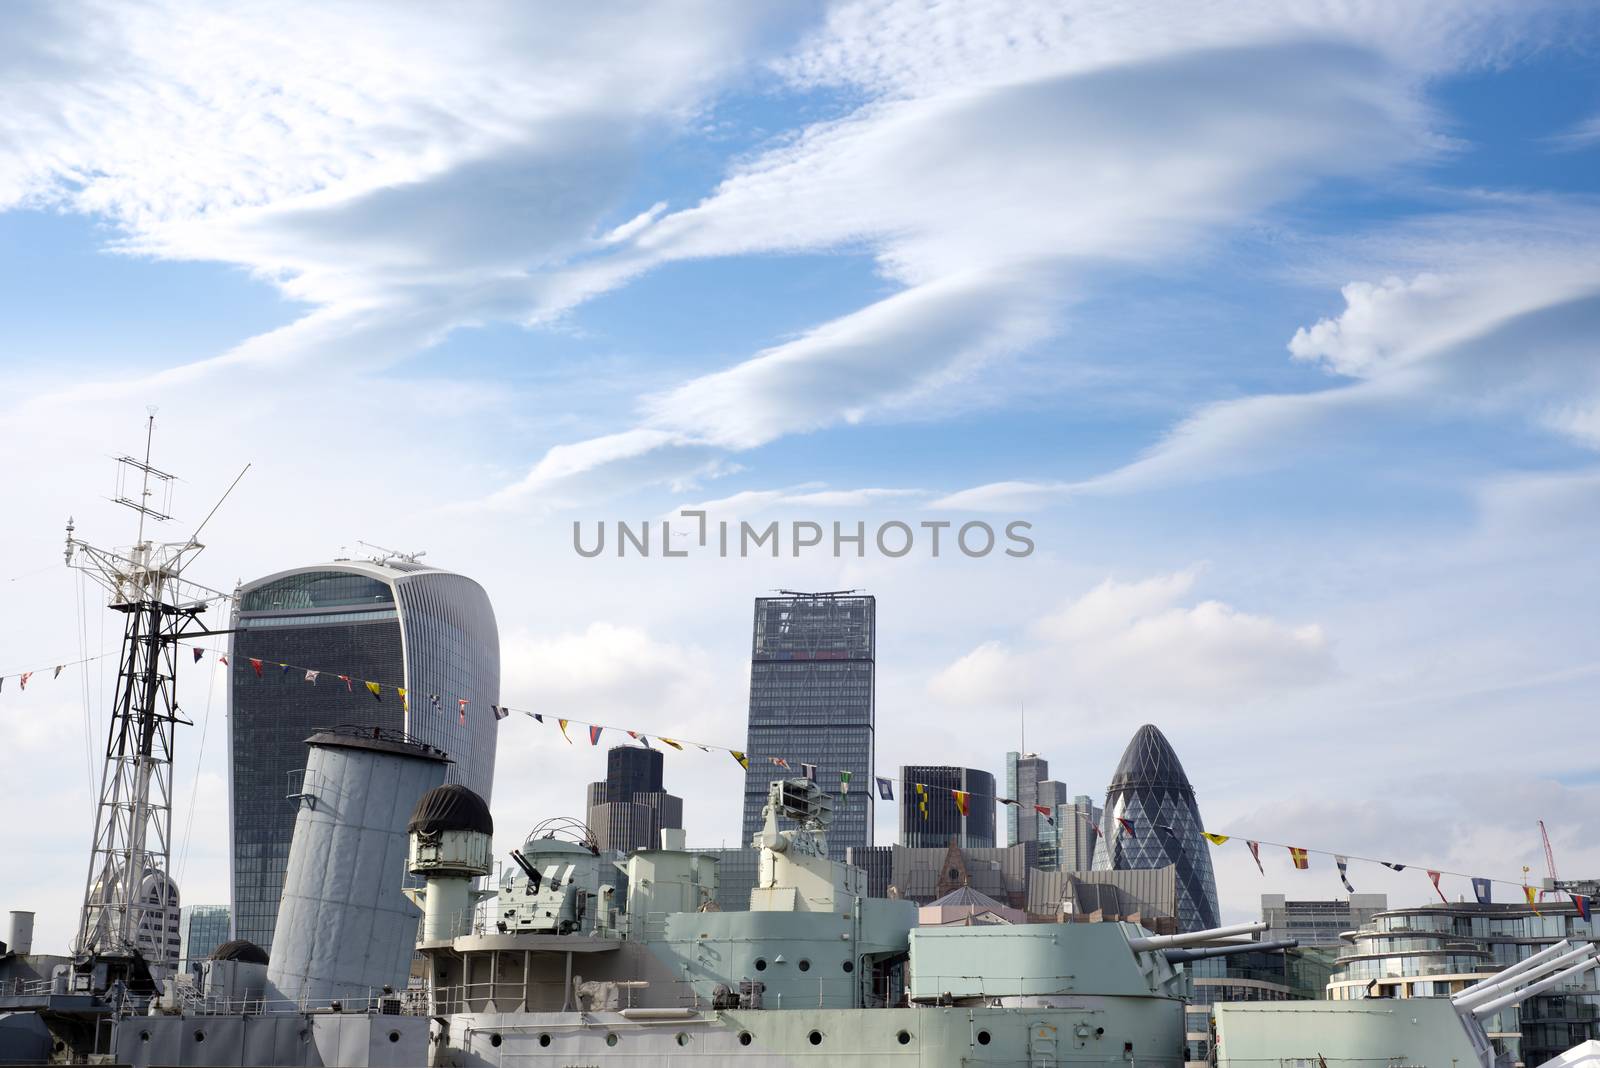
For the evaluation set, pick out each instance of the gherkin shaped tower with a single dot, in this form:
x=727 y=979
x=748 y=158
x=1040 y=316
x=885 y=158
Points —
x=1152 y=794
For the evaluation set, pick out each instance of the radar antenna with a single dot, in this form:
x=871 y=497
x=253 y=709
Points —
x=132 y=844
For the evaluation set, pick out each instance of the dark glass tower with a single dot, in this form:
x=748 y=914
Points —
x=396 y=623
x=944 y=820
x=812 y=701
x=1151 y=792
x=631 y=807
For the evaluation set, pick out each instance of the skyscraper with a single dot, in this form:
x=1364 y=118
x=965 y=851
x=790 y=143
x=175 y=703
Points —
x=812 y=702
x=1024 y=773
x=943 y=819
x=306 y=642
x=201 y=929
x=1152 y=794
x=629 y=809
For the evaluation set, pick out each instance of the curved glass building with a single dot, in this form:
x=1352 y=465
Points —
x=1151 y=792
x=400 y=624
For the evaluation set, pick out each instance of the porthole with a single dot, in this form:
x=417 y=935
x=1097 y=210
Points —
x=494 y=1040
x=761 y=964
x=144 y=1036
x=544 y=1040
x=849 y=966
x=683 y=1039
x=199 y=1036
x=815 y=1038
x=904 y=1038
x=611 y=1039
x=744 y=1038
x=983 y=1038
x=805 y=965
x=394 y=1036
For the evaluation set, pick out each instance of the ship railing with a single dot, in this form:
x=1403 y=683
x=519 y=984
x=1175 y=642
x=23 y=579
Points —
x=377 y=1004
x=28 y=987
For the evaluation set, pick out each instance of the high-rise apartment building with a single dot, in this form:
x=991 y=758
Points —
x=631 y=807
x=305 y=643
x=929 y=819
x=812 y=702
x=1151 y=820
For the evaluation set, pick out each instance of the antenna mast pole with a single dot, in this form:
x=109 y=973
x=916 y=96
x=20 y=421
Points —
x=133 y=819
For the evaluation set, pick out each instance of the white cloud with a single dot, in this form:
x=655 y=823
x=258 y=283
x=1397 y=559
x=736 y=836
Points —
x=1139 y=645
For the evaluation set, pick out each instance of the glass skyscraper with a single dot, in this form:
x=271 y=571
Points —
x=944 y=820
x=812 y=702
x=1151 y=792
x=629 y=810
x=396 y=623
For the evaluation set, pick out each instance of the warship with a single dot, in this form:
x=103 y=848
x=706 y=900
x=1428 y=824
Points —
x=397 y=945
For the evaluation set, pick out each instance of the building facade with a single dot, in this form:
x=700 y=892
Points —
x=1318 y=923
x=1069 y=845
x=201 y=929
x=305 y=643
x=1299 y=974
x=629 y=810
x=812 y=701
x=1151 y=820
x=159 y=935
x=930 y=818
x=1024 y=774
x=1439 y=950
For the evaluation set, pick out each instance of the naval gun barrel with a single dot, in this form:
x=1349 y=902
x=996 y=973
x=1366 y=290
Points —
x=1510 y=977
x=1178 y=956
x=1194 y=938
x=1489 y=1007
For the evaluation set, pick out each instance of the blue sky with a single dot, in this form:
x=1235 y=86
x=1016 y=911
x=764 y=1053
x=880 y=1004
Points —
x=1277 y=321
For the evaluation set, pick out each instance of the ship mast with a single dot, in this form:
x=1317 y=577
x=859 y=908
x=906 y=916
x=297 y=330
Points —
x=133 y=820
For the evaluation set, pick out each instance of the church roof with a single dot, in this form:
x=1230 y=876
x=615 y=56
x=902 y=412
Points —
x=966 y=895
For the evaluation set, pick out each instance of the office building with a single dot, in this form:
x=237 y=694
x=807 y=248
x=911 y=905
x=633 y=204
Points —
x=1151 y=820
x=812 y=702
x=1299 y=974
x=159 y=936
x=631 y=807
x=1024 y=774
x=930 y=818
x=201 y=929
x=1439 y=950
x=306 y=643
x=1318 y=923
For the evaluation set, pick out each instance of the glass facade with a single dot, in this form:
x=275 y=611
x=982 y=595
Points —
x=400 y=625
x=812 y=701
x=944 y=820
x=631 y=807
x=1152 y=793
x=1440 y=950
x=202 y=928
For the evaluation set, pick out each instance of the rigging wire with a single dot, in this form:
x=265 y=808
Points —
x=83 y=676
x=199 y=758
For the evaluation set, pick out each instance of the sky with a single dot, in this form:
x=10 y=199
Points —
x=1277 y=322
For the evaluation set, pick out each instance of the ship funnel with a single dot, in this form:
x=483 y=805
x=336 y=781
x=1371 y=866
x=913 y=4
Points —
x=1512 y=976
x=1178 y=956
x=1195 y=938
x=344 y=928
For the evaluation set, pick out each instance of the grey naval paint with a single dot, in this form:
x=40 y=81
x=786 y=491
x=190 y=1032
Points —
x=347 y=928
x=398 y=624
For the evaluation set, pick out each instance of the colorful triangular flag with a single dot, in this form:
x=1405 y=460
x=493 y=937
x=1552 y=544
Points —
x=26 y=675
x=198 y=653
x=1483 y=890
x=57 y=674
x=283 y=669
x=1255 y=851
x=1343 y=864
x=349 y=688
x=1393 y=867
x=461 y=711
x=1298 y=855
x=961 y=797
x=781 y=762
x=256 y=664
x=1527 y=891
x=375 y=689
x=311 y=677
x=885 y=789
x=1434 y=877
x=1581 y=903
x=401 y=690
x=500 y=712
x=1214 y=839
x=594 y=734
x=1044 y=811
x=744 y=761
x=844 y=782
x=1127 y=827
x=669 y=741
x=922 y=799
x=563 y=725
